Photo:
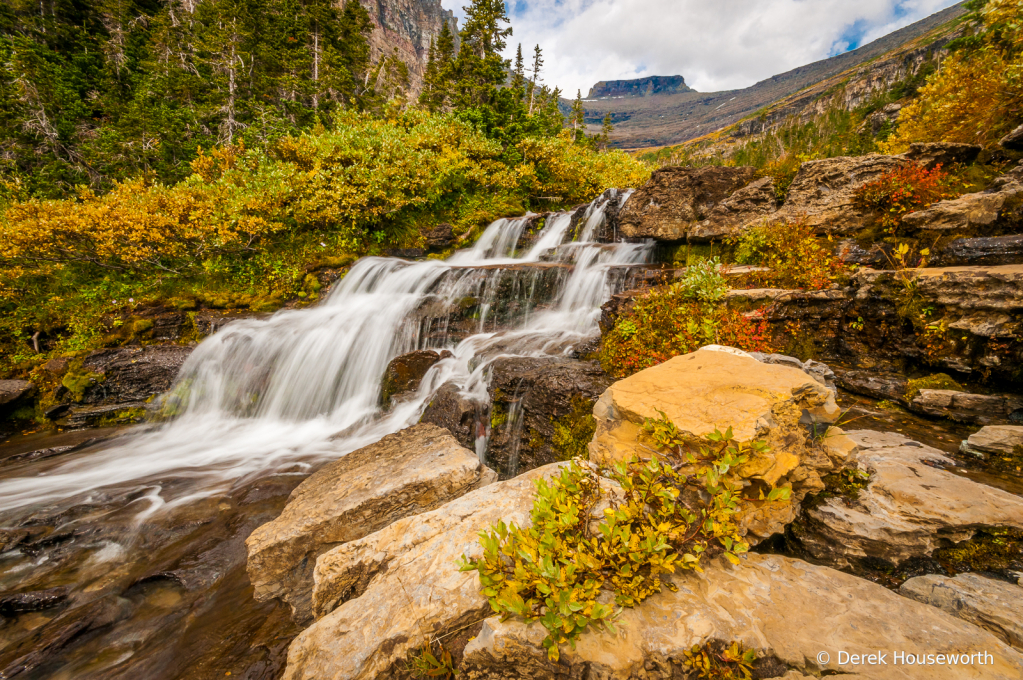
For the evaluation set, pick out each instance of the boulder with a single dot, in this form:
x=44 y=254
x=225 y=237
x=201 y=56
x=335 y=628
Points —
x=1013 y=140
x=909 y=508
x=714 y=389
x=965 y=407
x=379 y=597
x=540 y=408
x=931 y=154
x=676 y=199
x=797 y=616
x=823 y=192
x=989 y=213
x=993 y=250
x=997 y=440
x=403 y=474
x=12 y=391
x=757 y=200
x=458 y=413
x=440 y=236
x=405 y=372
x=996 y=606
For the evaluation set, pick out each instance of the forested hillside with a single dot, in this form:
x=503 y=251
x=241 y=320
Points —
x=217 y=152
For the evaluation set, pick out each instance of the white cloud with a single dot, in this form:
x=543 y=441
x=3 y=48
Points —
x=715 y=44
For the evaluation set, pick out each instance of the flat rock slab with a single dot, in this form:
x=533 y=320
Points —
x=13 y=390
x=994 y=605
x=781 y=607
x=998 y=440
x=380 y=596
x=908 y=509
x=406 y=473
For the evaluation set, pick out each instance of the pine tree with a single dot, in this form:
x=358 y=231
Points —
x=578 y=118
x=519 y=74
x=535 y=76
x=438 y=78
x=480 y=69
x=605 y=132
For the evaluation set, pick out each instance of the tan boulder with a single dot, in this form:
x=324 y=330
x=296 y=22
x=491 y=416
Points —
x=379 y=597
x=802 y=616
x=712 y=389
x=823 y=192
x=403 y=474
x=998 y=440
x=909 y=508
x=757 y=200
x=996 y=606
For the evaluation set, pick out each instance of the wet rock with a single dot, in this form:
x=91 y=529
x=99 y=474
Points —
x=909 y=508
x=787 y=610
x=406 y=473
x=994 y=250
x=377 y=598
x=12 y=391
x=457 y=413
x=946 y=154
x=440 y=237
x=33 y=601
x=965 y=407
x=132 y=374
x=406 y=253
x=997 y=440
x=676 y=199
x=823 y=192
x=877 y=385
x=718 y=389
x=405 y=372
x=1013 y=140
x=875 y=255
x=996 y=606
x=541 y=411
x=748 y=204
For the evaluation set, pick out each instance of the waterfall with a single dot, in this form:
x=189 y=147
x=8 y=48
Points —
x=278 y=395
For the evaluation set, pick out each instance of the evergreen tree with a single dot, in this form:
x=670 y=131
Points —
x=578 y=118
x=605 y=131
x=519 y=74
x=439 y=74
x=535 y=76
x=480 y=69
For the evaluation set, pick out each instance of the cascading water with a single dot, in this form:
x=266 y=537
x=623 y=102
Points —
x=283 y=393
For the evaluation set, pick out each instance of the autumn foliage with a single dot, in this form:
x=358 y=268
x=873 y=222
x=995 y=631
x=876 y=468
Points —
x=793 y=255
x=903 y=190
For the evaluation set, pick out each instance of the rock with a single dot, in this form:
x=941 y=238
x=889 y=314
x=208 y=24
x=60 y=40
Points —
x=876 y=121
x=996 y=606
x=406 y=253
x=377 y=598
x=405 y=473
x=440 y=236
x=676 y=199
x=823 y=192
x=787 y=610
x=965 y=407
x=33 y=601
x=12 y=391
x=1013 y=140
x=820 y=372
x=882 y=386
x=909 y=508
x=945 y=154
x=875 y=255
x=709 y=390
x=132 y=374
x=465 y=418
x=536 y=404
x=405 y=372
x=746 y=205
x=994 y=250
x=998 y=440
x=990 y=213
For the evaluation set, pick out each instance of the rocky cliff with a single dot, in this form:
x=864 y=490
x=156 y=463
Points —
x=641 y=87
x=406 y=27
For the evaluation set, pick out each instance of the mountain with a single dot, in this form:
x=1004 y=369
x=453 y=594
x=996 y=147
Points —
x=663 y=119
x=641 y=87
x=406 y=27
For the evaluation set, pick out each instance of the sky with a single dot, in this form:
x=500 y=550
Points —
x=715 y=44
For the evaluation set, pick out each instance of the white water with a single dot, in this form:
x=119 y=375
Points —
x=272 y=395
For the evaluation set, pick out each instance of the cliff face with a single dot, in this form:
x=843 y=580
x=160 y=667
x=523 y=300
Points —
x=407 y=26
x=641 y=87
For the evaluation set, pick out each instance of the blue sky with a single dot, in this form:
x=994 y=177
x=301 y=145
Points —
x=716 y=44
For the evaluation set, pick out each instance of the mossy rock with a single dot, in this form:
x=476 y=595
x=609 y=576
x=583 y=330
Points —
x=141 y=326
x=76 y=381
x=574 y=430
x=994 y=550
x=938 y=381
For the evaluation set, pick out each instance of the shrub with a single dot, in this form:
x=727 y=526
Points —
x=669 y=515
x=794 y=255
x=904 y=190
x=663 y=324
x=977 y=95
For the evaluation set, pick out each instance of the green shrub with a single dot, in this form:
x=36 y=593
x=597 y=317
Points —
x=793 y=254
